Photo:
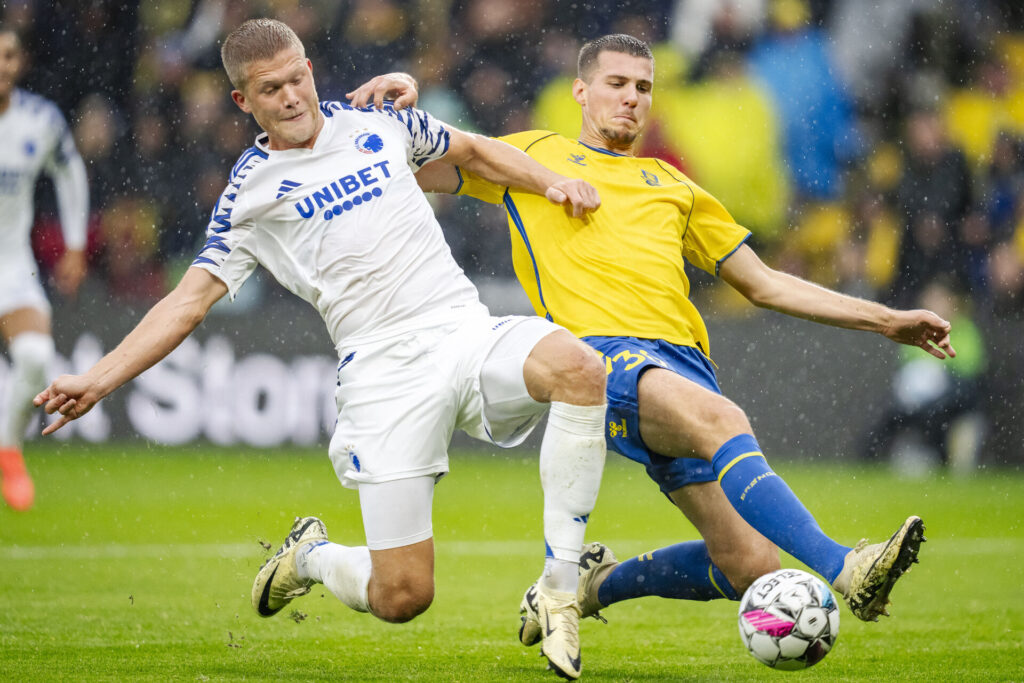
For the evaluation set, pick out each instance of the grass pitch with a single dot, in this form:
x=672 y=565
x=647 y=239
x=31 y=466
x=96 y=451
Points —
x=136 y=564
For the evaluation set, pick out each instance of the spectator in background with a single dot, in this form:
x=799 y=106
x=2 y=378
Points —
x=818 y=128
x=371 y=32
x=97 y=134
x=936 y=403
x=932 y=199
x=990 y=104
x=553 y=108
x=695 y=23
x=724 y=128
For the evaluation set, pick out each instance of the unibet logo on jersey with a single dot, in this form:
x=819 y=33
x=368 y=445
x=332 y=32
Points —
x=351 y=190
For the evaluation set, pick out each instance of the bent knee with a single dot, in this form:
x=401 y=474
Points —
x=578 y=376
x=402 y=604
x=564 y=369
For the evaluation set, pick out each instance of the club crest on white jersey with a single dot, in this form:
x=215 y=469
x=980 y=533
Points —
x=344 y=225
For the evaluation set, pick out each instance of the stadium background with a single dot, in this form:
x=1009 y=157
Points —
x=874 y=166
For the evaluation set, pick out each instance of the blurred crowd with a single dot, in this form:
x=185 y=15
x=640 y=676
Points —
x=871 y=145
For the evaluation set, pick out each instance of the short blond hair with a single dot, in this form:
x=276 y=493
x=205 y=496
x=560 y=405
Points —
x=256 y=40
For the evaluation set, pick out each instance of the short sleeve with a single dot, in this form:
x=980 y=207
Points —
x=711 y=235
x=472 y=185
x=428 y=137
x=227 y=252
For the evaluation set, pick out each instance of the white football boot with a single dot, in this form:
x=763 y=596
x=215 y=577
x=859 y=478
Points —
x=278 y=582
x=870 y=571
x=596 y=562
x=558 y=615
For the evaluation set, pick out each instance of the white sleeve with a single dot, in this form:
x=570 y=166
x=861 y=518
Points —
x=70 y=183
x=428 y=137
x=227 y=253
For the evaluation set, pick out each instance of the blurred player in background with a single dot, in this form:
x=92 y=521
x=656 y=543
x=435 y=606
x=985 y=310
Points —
x=35 y=139
x=327 y=201
x=616 y=279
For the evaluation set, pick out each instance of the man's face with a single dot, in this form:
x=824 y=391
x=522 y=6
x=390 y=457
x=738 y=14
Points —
x=10 y=63
x=617 y=97
x=281 y=96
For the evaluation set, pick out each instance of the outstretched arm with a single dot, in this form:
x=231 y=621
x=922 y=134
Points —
x=768 y=288
x=491 y=159
x=503 y=164
x=161 y=330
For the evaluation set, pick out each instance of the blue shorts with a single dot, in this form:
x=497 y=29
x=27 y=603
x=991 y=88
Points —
x=627 y=358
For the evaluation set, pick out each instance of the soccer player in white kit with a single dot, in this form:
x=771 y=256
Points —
x=327 y=201
x=36 y=140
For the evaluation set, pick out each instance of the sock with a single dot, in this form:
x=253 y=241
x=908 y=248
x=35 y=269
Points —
x=30 y=353
x=571 y=462
x=767 y=503
x=561 y=575
x=344 y=570
x=682 y=571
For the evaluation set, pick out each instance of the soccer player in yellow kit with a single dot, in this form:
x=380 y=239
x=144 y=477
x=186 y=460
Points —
x=616 y=279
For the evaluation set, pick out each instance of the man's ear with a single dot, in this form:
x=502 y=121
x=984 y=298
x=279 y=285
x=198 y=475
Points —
x=579 y=92
x=239 y=98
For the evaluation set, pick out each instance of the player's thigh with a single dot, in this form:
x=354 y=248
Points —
x=496 y=404
x=24 y=319
x=396 y=413
x=23 y=304
x=735 y=547
x=397 y=519
x=679 y=418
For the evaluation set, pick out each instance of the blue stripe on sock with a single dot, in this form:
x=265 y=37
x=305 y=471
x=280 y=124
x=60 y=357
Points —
x=678 y=571
x=767 y=503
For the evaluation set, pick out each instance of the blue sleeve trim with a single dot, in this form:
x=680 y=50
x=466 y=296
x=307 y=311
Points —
x=718 y=264
x=462 y=180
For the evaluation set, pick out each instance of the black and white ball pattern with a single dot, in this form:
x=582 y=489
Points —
x=788 y=619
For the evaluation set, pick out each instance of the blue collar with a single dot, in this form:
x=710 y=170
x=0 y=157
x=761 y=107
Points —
x=602 y=151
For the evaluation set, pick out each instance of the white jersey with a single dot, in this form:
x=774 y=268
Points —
x=36 y=139
x=344 y=225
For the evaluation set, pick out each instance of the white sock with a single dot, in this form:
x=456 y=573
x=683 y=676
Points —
x=560 y=575
x=344 y=570
x=31 y=353
x=571 y=462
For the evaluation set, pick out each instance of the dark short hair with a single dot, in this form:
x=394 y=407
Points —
x=616 y=42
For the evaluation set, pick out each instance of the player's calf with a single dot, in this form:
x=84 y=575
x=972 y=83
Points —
x=401 y=585
x=744 y=564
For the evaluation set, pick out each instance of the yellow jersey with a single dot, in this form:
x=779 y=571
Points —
x=617 y=272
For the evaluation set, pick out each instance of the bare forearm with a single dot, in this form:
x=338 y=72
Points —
x=159 y=332
x=802 y=299
x=503 y=164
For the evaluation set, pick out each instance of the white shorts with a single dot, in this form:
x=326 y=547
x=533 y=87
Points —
x=399 y=402
x=19 y=286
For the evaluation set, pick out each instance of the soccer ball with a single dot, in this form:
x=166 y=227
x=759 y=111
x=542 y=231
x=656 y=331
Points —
x=788 y=619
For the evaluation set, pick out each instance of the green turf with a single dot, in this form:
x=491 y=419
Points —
x=136 y=564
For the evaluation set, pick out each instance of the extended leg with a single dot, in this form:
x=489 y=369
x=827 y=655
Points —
x=392 y=576
x=563 y=371
x=27 y=332
x=722 y=566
